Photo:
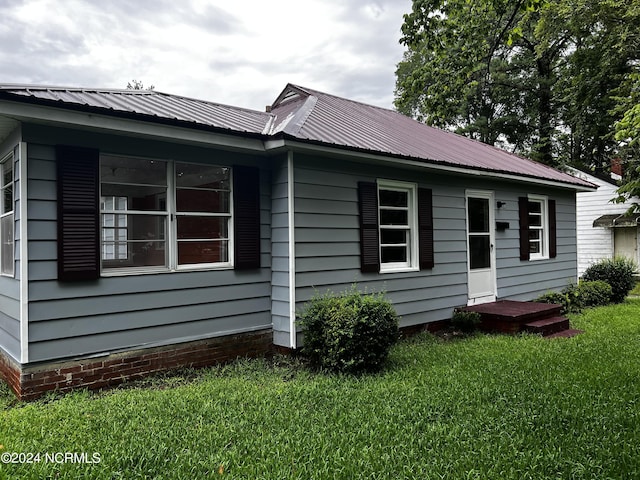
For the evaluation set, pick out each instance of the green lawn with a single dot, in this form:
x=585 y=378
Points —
x=483 y=407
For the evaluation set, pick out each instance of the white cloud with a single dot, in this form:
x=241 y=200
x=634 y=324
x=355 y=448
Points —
x=240 y=53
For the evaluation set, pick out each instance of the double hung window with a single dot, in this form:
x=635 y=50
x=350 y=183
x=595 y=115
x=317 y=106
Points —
x=163 y=215
x=397 y=223
x=6 y=217
x=538 y=230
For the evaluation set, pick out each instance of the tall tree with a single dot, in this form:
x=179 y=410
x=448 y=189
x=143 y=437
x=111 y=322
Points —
x=528 y=75
x=628 y=134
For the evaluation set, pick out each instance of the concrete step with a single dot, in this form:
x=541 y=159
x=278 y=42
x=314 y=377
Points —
x=547 y=326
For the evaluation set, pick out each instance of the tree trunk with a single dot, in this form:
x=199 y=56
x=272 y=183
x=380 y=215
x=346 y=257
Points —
x=544 y=151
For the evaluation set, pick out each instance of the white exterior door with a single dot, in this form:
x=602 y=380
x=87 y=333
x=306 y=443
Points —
x=481 y=257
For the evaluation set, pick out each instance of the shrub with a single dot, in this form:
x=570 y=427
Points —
x=617 y=272
x=351 y=332
x=566 y=298
x=465 y=321
x=594 y=293
x=574 y=298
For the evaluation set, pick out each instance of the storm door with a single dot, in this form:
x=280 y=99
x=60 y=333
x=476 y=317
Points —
x=480 y=247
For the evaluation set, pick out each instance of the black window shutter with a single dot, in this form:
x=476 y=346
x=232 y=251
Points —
x=369 y=244
x=523 y=204
x=425 y=227
x=553 y=249
x=246 y=217
x=78 y=213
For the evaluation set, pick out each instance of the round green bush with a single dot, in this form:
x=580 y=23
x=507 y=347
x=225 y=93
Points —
x=559 y=299
x=351 y=332
x=594 y=293
x=617 y=272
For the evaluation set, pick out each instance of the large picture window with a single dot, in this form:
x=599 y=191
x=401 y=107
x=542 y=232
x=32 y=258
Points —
x=398 y=225
x=158 y=215
x=6 y=217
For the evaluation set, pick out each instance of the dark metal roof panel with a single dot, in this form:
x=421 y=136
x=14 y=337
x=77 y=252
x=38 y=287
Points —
x=149 y=103
x=343 y=122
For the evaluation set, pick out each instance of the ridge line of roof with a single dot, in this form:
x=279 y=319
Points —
x=314 y=92
x=30 y=86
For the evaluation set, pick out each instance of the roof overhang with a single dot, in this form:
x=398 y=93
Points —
x=13 y=112
x=7 y=125
x=379 y=158
x=617 y=220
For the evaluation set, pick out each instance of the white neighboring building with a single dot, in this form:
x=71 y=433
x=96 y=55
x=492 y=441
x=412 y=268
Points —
x=603 y=229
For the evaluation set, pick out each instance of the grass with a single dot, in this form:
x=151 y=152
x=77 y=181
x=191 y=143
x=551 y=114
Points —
x=481 y=407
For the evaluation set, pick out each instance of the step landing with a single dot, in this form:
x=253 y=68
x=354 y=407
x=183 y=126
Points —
x=510 y=316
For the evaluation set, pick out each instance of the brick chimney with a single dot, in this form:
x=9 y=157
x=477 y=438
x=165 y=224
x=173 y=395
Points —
x=616 y=166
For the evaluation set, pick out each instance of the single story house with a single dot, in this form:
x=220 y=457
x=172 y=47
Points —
x=143 y=231
x=604 y=229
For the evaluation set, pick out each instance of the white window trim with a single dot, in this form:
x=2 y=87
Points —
x=9 y=158
x=171 y=241
x=544 y=209
x=412 y=189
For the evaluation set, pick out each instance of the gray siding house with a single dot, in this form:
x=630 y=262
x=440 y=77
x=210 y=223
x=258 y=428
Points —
x=143 y=231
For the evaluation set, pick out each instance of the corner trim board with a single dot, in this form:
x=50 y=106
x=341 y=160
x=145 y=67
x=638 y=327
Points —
x=292 y=250
x=24 y=256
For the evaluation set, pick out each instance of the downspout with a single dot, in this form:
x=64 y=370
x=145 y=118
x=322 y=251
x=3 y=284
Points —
x=292 y=251
x=24 y=257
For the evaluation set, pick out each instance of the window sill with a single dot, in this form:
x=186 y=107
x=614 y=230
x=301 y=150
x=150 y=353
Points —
x=399 y=269
x=537 y=259
x=156 y=271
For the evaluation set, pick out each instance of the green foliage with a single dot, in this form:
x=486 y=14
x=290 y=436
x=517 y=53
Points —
x=567 y=299
x=628 y=134
x=351 y=332
x=594 y=293
x=617 y=272
x=465 y=321
x=541 y=78
x=487 y=407
x=574 y=298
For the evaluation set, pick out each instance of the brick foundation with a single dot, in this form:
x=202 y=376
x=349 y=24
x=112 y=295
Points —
x=31 y=381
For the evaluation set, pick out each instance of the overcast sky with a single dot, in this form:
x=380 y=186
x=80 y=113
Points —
x=235 y=52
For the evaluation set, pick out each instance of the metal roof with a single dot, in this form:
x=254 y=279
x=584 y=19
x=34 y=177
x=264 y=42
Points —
x=305 y=115
x=146 y=103
x=347 y=123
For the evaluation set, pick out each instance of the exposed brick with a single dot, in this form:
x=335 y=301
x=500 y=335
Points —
x=73 y=369
x=114 y=362
x=29 y=383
